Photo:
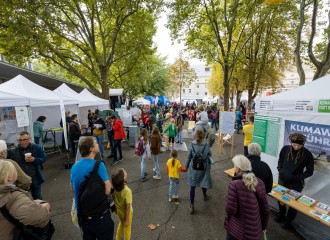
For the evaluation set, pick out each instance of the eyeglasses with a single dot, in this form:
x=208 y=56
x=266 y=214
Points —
x=23 y=140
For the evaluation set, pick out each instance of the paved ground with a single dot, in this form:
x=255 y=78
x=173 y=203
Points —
x=150 y=200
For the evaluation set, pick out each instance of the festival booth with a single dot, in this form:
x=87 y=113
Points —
x=162 y=101
x=305 y=110
x=38 y=101
x=151 y=99
x=90 y=100
x=141 y=101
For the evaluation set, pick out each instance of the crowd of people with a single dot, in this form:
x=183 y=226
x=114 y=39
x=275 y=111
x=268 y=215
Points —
x=246 y=202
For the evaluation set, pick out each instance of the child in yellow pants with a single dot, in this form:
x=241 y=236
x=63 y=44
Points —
x=123 y=201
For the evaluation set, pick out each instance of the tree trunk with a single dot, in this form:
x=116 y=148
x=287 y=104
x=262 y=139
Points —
x=297 y=56
x=180 y=91
x=226 y=88
x=104 y=83
x=238 y=98
x=249 y=103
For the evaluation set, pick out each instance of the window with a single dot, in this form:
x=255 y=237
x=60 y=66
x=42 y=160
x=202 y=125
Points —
x=205 y=93
x=197 y=86
x=184 y=91
x=207 y=69
x=189 y=90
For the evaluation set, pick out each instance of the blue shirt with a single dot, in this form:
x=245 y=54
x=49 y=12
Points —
x=81 y=169
x=238 y=115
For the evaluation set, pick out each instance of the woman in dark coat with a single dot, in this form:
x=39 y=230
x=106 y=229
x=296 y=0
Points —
x=246 y=203
x=198 y=178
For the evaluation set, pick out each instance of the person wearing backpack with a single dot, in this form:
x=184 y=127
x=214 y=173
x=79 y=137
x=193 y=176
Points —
x=144 y=153
x=93 y=212
x=199 y=167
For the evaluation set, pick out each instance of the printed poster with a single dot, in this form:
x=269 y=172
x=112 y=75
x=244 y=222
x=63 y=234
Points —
x=227 y=122
x=318 y=141
x=266 y=133
x=8 y=113
x=266 y=105
x=22 y=116
x=304 y=106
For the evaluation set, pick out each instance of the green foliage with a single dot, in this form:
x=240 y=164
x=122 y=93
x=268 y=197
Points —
x=181 y=74
x=150 y=77
x=97 y=41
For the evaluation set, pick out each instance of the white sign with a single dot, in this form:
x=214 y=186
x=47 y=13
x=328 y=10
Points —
x=227 y=122
x=304 y=106
x=22 y=116
x=265 y=105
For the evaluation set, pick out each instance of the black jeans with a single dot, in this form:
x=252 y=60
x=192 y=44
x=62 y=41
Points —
x=36 y=188
x=230 y=237
x=292 y=213
x=100 y=229
x=112 y=142
x=117 y=145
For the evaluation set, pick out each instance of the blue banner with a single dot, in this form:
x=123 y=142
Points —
x=318 y=139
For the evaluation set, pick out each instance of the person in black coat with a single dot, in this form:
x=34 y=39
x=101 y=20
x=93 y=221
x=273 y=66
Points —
x=260 y=168
x=295 y=164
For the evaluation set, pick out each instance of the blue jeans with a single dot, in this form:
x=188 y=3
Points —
x=174 y=187
x=36 y=188
x=100 y=229
x=157 y=165
x=214 y=124
x=239 y=125
x=143 y=166
x=100 y=139
x=179 y=136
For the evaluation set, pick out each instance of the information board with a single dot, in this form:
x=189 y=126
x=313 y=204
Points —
x=266 y=133
x=227 y=122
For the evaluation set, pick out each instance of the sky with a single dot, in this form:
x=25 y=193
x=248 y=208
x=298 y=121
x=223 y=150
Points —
x=165 y=46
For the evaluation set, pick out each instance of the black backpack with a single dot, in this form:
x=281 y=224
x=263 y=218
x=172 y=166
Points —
x=92 y=200
x=198 y=160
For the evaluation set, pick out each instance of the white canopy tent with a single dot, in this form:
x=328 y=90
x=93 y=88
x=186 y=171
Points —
x=40 y=101
x=86 y=101
x=141 y=101
x=306 y=110
x=101 y=103
x=7 y=99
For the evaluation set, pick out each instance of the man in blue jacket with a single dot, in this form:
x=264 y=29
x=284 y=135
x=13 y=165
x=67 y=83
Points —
x=29 y=157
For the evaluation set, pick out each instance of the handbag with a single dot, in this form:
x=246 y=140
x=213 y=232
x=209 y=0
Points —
x=264 y=235
x=27 y=232
x=74 y=217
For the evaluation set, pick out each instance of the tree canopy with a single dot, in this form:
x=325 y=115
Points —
x=97 y=41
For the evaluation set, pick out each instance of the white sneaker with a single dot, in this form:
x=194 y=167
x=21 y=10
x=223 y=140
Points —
x=154 y=169
x=175 y=196
x=157 y=177
x=170 y=199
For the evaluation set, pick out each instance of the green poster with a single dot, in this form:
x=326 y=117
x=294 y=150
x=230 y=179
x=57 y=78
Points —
x=266 y=133
x=324 y=106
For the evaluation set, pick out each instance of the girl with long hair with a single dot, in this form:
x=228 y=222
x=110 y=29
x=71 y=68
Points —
x=156 y=141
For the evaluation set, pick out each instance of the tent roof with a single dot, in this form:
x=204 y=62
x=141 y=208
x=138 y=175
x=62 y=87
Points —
x=67 y=91
x=12 y=100
x=141 y=101
x=88 y=96
x=37 y=95
x=311 y=93
x=116 y=92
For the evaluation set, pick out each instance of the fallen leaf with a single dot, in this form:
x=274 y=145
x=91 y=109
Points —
x=152 y=226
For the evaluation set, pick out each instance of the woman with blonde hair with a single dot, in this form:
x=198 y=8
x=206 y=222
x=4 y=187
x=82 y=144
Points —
x=15 y=202
x=246 y=203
